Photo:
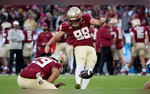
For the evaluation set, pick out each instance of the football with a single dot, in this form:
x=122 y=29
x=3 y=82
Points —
x=86 y=74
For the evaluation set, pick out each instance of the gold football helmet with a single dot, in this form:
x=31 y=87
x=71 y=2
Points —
x=135 y=22
x=74 y=16
x=60 y=57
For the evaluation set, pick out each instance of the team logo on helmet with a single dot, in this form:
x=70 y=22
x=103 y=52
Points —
x=60 y=57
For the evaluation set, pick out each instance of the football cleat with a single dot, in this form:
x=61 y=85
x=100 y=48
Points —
x=143 y=73
x=86 y=74
x=126 y=72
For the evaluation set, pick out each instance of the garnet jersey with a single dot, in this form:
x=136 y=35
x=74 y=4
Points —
x=80 y=35
x=5 y=35
x=44 y=65
x=148 y=31
x=63 y=38
x=119 y=37
x=43 y=37
x=69 y=40
x=28 y=36
x=139 y=33
x=92 y=33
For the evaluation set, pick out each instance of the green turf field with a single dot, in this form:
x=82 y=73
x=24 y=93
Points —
x=97 y=82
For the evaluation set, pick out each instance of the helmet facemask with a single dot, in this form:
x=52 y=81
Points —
x=75 y=23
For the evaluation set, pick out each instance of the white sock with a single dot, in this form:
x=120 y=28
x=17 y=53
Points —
x=85 y=82
x=79 y=68
x=68 y=61
x=143 y=70
x=5 y=68
x=71 y=62
x=126 y=68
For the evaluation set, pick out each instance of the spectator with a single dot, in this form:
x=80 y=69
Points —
x=60 y=19
x=15 y=37
x=30 y=20
x=141 y=16
x=49 y=21
x=43 y=39
x=38 y=28
x=125 y=22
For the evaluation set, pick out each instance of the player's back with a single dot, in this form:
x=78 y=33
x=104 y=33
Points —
x=139 y=33
x=5 y=35
x=28 y=36
x=119 y=37
x=43 y=65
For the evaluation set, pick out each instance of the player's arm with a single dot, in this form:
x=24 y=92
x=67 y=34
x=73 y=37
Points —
x=133 y=40
x=147 y=41
x=99 y=22
x=114 y=42
x=55 y=74
x=53 y=40
x=3 y=41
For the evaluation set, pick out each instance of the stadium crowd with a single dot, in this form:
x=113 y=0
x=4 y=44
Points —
x=26 y=30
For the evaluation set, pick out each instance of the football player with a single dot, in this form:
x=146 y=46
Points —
x=147 y=56
x=42 y=72
x=28 y=43
x=5 y=45
x=119 y=42
x=77 y=27
x=138 y=35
